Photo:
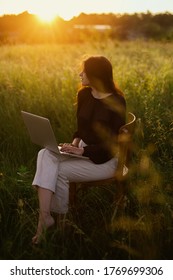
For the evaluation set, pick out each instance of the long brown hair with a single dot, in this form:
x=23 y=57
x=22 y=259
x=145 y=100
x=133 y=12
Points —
x=100 y=74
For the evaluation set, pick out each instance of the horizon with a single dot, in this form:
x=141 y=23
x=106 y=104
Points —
x=91 y=13
x=49 y=9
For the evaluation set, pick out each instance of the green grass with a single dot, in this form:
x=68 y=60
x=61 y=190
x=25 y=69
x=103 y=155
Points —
x=44 y=79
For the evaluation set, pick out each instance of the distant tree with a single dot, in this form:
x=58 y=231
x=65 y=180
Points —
x=26 y=28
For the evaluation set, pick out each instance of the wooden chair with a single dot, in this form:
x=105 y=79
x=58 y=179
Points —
x=124 y=145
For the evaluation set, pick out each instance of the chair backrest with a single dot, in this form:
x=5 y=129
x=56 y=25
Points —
x=125 y=143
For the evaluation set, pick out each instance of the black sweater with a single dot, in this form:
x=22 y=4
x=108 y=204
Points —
x=98 y=123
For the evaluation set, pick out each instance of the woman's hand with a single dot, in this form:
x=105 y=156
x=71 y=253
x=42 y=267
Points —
x=69 y=148
x=76 y=142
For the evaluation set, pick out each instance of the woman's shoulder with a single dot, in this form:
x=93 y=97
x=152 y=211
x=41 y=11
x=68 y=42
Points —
x=84 y=89
x=119 y=98
x=84 y=92
x=116 y=102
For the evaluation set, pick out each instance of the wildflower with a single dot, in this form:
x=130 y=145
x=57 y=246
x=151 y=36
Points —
x=20 y=203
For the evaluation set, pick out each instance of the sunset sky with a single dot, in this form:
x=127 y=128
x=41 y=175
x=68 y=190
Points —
x=69 y=8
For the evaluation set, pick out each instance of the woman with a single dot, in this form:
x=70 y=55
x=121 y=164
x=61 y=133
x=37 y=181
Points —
x=100 y=113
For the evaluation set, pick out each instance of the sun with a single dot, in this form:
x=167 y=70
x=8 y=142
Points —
x=47 y=10
x=46 y=16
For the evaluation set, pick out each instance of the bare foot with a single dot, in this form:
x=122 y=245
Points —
x=45 y=222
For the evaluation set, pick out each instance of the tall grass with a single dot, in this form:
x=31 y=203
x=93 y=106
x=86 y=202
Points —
x=43 y=79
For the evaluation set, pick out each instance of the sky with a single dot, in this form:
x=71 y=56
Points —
x=69 y=8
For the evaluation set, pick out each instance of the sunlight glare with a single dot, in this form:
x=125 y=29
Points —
x=46 y=16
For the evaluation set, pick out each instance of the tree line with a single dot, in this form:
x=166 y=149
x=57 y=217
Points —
x=26 y=28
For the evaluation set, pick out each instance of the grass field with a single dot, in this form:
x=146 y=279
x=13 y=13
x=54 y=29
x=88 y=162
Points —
x=44 y=79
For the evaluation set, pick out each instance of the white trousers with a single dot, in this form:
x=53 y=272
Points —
x=54 y=172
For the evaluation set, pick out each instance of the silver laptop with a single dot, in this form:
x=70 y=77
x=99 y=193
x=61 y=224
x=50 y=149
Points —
x=41 y=133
